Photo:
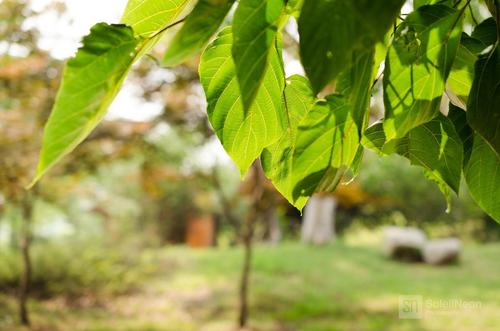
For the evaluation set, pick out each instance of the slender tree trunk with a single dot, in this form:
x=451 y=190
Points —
x=248 y=232
x=227 y=213
x=25 y=241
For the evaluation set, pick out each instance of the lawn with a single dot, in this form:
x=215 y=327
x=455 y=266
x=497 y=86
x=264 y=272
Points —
x=293 y=287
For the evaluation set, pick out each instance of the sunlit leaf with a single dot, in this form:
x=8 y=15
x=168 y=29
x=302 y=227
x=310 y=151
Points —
x=254 y=28
x=90 y=82
x=244 y=134
x=315 y=158
x=462 y=74
x=417 y=66
x=197 y=30
x=148 y=17
x=277 y=159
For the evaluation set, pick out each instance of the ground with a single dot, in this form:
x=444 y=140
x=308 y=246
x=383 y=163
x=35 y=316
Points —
x=294 y=287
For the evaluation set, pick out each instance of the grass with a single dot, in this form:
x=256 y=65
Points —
x=293 y=287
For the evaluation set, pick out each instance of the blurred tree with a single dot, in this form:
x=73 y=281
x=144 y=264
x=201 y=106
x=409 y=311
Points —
x=28 y=80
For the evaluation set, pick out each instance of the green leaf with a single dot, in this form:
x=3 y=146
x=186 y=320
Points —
x=244 y=134
x=332 y=31
x=486 y=32
x=355 y=83
x=459 y=119
x=483 y=111
x=326 y=144
x=148 y=17
x=197 y=30
x=89 y=84
x=461 y=76
x=417 y=66
x=293 y=7
x=315 y=158
x=435 y=146
x=482 y=175
x=419 y=3
x=277 y=159
x=255 y=25
x=374 y=138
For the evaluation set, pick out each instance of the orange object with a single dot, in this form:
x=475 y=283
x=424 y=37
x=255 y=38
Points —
x=200 y=231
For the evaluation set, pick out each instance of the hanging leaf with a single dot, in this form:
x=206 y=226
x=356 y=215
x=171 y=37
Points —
x=417 y=66
x=244 y=134
x=277 y=159
x=333 y=31
x=199 y=27
x=435 y=146
x=315 y=158
x=326 y=145
x=482 y=175
x=89 y=84
x=255 y=25
x=483 y=111
x=148 y=17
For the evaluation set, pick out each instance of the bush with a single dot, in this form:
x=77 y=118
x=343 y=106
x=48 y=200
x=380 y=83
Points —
x=73 y=270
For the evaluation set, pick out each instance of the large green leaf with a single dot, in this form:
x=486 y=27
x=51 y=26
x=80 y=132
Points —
x=196 y=31
x=277 y=159
x=90 y=82
x=244 y=134
x=435 y=146
x=355 y=83
x=254 y=28
x=417 y=66
x=332 y=31
x=482 y=174
x=326 y=144
x=315 y=157
x=483 y=111
x=148 y=17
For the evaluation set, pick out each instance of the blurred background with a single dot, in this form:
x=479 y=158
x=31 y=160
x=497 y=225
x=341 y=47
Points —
x=142 y=227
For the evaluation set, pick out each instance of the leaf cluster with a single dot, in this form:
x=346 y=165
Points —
x=310 y=130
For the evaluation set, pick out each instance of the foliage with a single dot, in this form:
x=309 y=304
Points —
x=427 y=55
x=75 y=269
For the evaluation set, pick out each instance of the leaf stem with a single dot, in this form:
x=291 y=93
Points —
x=166 y=28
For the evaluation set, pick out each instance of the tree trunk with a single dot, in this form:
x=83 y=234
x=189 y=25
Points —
x=273 y=229
x=319 y=219
x=24 y=244
x=248 y=233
